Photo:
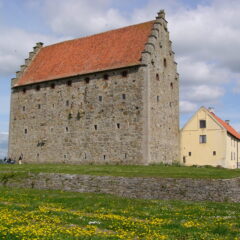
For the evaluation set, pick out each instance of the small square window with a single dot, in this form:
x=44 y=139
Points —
x=190 y=154
x=87 y=80
x=124 y=96
x=158 y=98
x=23 y=108
x=214 y=153
x=69 y=83
x=202 y=123
x=157 y=77
x=24 y=90
x=52 y=85
x=118 y=125
x=124 y=73
x=202 y=138
x=25 y=131
x=100 y=98
x=105 y=76
x=95 y=127
x=39 y=106
x=37 y=88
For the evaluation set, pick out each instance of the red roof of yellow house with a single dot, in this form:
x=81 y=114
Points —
x=109 y=50
x=228 y=127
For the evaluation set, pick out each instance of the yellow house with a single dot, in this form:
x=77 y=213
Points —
x=208 y=140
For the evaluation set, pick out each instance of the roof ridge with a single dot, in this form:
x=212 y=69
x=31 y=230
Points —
x=98 y=34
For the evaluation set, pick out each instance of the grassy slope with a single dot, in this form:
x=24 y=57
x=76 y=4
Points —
x=128 y=171
x=52 y=215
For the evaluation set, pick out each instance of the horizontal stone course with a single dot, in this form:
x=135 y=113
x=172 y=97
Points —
x=217 y=190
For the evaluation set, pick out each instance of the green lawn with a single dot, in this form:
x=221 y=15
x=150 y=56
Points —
x=56 y=215
x=127 y=171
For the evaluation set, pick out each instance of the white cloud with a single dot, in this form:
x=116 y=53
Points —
x=198 y=72
x=202 y=93
x=186 y=107
x=81 y=17
x=3 y=144
x=4 y=110
x=15 y=44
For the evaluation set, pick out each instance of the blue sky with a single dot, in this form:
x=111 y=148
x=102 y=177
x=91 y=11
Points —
x=205 y=35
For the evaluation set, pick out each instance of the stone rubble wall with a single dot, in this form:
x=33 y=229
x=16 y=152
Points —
x=217 y=190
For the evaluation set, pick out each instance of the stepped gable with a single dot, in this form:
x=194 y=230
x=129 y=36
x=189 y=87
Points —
x=228 y=127
x=109 y=50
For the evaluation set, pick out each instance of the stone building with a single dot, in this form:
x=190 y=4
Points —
x=108 y=98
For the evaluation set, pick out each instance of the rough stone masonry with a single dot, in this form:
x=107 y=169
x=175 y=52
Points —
x=108 y=98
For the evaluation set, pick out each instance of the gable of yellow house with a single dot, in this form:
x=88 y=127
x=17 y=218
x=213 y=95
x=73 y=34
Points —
x=206 y=140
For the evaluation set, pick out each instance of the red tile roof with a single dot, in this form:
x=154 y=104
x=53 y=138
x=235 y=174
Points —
x=109 y=50
x=228 y=127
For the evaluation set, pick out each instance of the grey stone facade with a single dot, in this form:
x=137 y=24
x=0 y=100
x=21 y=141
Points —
x=130 y=118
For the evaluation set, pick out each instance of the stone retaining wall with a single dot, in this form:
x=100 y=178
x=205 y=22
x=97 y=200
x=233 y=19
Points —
x=136 y=187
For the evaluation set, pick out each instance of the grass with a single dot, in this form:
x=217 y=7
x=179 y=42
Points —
x=126 y=171
x=56 y=215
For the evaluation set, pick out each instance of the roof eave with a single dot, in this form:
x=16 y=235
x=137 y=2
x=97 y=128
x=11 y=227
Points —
x=78 y=74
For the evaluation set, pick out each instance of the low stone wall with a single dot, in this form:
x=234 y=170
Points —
x=136 y=187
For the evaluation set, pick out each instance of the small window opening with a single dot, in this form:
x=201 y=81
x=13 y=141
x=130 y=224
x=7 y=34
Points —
x=52 y=85
x=158 y=98
x=37 y=154
x=171 y=85
x=100 y=98
x=190 y=154
x=125 y=155
x=65 y=156
x=66 y=129
x=25 y=131
x=23 y=108
x=165 y=62
x=202 y=123
x=170 y=104
x=105 y=76
x=53 y=105
x=118 y=125
x=69 y=116
x=37 y=88
x=104 y=157
x=51 y=129
x=69 y=83
x=78 y=116
x=157 y=77
x=87 y=80
x=124 y=73
x=67 y=103
x=184 y=159
x=202 y=138
x=152 y=62
x=39 y=106
x=24 y=90
x=123 y=96
x=214 y=153
x=95 y=126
